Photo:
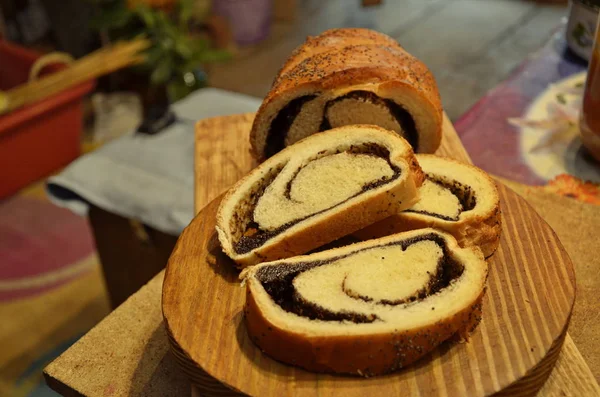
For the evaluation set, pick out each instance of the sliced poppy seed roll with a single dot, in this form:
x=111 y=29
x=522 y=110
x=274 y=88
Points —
x=344 y=77
x=368 y=308
x=316 y=191
x=455 y=197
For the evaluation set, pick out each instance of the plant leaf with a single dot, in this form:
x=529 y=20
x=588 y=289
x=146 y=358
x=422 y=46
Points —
x=147 y=15
x=163 y=71
x=111 y=16
x=153 y=55
x=186 y=10
x=213 y=55
x=183 y=48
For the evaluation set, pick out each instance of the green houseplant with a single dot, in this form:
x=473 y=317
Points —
x=172 y=63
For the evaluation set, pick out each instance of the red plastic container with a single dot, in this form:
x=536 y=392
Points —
x=38 y=139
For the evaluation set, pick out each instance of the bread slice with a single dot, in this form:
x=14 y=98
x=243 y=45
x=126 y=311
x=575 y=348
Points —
x=344 y=77
x=365 y=309
x=456 y=197
x=324 y=187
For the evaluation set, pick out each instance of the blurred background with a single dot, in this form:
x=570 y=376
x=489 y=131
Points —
x=98 y=101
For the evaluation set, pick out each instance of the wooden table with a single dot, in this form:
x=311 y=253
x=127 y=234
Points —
x=127 y=353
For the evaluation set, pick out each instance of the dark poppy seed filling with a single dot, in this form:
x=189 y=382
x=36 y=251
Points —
x=464 y=194
x=251 y=236
x=277 y=281
x=240 y=227
x=281 y=124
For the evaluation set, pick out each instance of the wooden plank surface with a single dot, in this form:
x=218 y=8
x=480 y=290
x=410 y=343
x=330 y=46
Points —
x=126 y=354
x=104 y=360
x=576 y=224
x=525 y=311
x=530 y=293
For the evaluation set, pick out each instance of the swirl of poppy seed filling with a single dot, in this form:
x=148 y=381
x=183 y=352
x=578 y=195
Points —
x=280 y=281
x=397 y=118
x=444 y=198
x=253 y=235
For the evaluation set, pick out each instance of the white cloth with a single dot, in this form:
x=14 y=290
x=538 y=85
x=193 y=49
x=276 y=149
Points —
x=147 y=177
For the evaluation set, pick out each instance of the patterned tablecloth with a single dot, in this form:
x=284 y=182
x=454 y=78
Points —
x=526 y=129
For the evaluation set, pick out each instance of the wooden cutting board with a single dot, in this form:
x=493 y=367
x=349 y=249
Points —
x=530 y=295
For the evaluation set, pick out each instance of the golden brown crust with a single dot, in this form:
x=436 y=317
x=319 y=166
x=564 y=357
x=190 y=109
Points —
x=415 y=168
x=345 y=58
x=357 y=64
x=361 y=355
x=331 y=39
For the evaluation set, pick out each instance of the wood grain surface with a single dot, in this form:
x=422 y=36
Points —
x=526 y=309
